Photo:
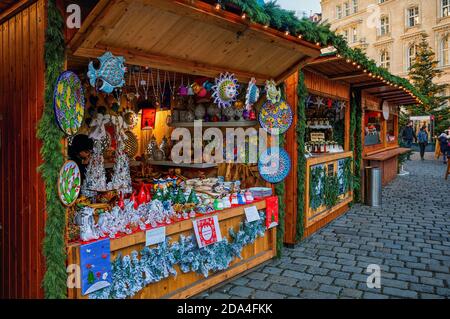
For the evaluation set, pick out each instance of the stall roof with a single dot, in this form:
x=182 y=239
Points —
x=336 y=68
x=190 y=36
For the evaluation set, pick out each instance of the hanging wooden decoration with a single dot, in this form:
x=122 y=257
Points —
x=225 y=91
x=276 y=118
x=69 y=183
x=111 y=72
x=69 y=103
x=274 y=165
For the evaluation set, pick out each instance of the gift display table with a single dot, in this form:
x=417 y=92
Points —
x=185 y=285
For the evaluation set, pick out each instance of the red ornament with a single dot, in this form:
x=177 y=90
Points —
x=329 y=103
x=134 y=201
x=142 y=197
x=148 y=193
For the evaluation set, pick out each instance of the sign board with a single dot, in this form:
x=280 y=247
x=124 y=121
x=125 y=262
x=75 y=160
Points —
x=317 y=137
x=95 y=266
x=251 y=214
x=207 y=231
x=271 y=212
x=155 y=236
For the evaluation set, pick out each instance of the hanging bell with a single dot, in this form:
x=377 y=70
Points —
x=190 y=91
x=183 y=91
x=202 y=92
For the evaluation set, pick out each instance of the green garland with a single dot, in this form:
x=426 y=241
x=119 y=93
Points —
x=280 y=191
x=317 y=174
x=273 y=15
x=302 y=94
x=54 y=282
x=330 y=189
x=356 y=142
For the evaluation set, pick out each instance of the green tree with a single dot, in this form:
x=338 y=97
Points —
x=423 y=73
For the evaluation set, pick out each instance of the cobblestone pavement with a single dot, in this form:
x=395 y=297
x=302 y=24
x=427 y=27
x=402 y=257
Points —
x=409 y=238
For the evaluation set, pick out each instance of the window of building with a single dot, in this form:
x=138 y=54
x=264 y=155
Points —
x=384 y=26
x=413 y=16
x=385 y=59
x=354 y=34
x=411 y=55
x=346 y=9
x=338 y=12
x=345 y=35
x=445 y=51
x=355 y=6
x=445 y=8
x=382 y=1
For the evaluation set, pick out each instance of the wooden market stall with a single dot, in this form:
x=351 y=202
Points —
x=336 y=85
x=187 y=40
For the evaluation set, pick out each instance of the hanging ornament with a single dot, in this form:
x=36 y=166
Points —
x=274 y=165
x=319 y=102
x=225 y=91
x=69 y=103
x=272 y=93
x=69 y=183
x=111 y=72
x=252 y=94
x=329 y=103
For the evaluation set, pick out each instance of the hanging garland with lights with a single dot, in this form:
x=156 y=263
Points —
x=356 y=142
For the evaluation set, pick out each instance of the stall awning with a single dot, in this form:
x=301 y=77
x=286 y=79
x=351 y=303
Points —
x=339 y=69
x=190 y=36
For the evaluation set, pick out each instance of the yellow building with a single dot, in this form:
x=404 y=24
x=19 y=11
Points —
x=389 y=30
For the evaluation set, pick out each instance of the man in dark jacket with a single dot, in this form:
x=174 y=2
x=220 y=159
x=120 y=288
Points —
x=408 y=134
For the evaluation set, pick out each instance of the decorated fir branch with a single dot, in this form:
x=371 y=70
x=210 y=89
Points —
x=54 y=282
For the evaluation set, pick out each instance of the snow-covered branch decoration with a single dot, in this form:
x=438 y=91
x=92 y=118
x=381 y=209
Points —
x=131 y=274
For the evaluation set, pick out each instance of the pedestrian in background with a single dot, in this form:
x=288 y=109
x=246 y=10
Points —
x=422 y=137
x=444 y=140
x=408 y=134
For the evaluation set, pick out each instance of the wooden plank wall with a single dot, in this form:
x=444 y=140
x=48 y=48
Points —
x=322 y=86
x=22 y=209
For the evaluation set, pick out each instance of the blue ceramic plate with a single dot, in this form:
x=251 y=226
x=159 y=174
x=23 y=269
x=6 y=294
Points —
x=275 y=116
x=274 y=165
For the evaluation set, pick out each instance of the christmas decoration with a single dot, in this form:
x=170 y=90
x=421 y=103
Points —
x=69 y=183
x=95 y=179
x=225 y=91
x=111 y=72
x=273 y=95
x=95 y=257
x=252 y=95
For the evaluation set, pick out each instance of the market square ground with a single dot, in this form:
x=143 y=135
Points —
x=408 y=237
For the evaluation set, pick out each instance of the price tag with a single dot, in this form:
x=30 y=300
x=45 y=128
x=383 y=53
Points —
x=155 y=236
x=251 y=213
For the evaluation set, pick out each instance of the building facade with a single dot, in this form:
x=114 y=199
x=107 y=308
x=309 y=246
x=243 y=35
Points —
x=389 y=30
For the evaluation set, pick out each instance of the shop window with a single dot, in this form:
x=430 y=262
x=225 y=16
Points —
x=445 y=8
x=412 y=17
x=372 y=128
x=391 y=129
x=444 y=51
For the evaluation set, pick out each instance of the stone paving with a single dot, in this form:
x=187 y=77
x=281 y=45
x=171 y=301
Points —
x=409 y=238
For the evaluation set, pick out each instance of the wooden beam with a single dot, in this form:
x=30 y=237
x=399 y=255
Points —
x=348 y=75
x=169 y=63
x=15 y=8
x=294 y=68
x=367 y=85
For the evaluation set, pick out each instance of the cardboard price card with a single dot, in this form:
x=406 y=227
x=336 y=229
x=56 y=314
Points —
x=207 y=231
x=271 y=211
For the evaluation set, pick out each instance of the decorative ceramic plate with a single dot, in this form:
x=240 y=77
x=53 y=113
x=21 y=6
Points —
x=276 y=118
x=274 y=165
x=69 y=183
x=69 y=103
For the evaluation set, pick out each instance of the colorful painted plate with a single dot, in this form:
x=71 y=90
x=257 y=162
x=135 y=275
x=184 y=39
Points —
x=276 y=118
x=274 y=165
x=69 y=103
x=69 y=183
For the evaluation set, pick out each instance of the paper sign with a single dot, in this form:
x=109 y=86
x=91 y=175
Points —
x=271 y=212
x=251 y=213
x=155 y=236
x=207 y=231
x=95 y=266
x=317 y=137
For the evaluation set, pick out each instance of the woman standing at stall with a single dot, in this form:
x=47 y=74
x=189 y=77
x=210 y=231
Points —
x=444 y=141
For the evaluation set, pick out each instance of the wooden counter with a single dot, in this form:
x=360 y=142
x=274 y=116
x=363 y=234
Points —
x=315 y=219
x=185 y=285
x=387 y=161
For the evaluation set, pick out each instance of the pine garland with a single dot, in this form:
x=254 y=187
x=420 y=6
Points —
x=54 y=282
x=302 y=94
x=273 y=15
x=356 y=143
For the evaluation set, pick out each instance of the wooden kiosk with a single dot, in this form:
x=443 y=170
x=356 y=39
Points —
x=333 y=78
x=192 y=38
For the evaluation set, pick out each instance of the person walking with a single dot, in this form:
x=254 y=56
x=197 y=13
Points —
x=444 y=140
x=408 y=134
x=422 y=138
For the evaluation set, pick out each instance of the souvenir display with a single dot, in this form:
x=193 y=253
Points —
x=274 y=165
x=69 y=183
x=276 y=118
x=225 y=91
x=272 y=93
x=111 y=72
x=69 y=103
